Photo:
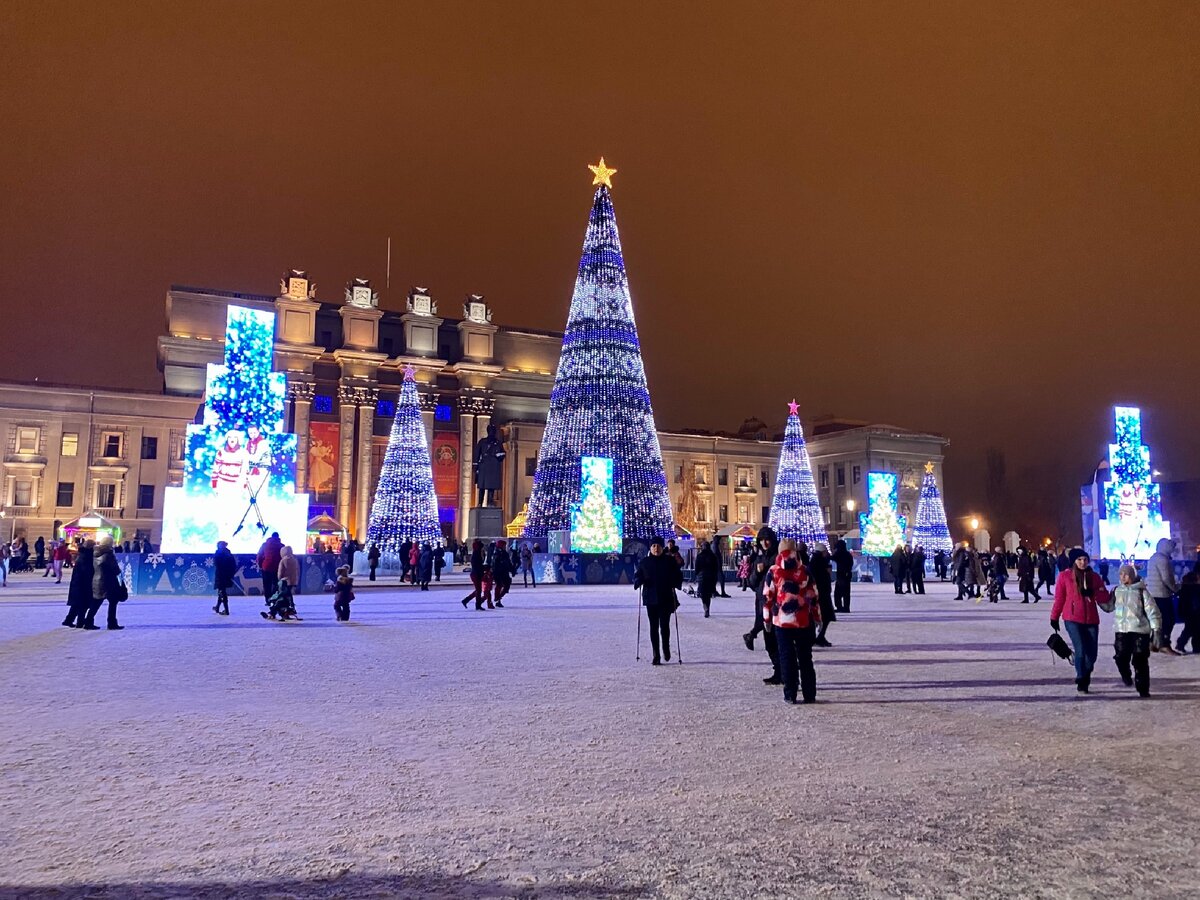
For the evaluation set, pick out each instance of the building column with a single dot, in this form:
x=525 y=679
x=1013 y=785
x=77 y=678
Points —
x=345 y=473
x=301 y=393
x=466 y=458
x=367 y=398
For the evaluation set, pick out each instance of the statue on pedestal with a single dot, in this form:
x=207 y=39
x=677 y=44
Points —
x=489 y=454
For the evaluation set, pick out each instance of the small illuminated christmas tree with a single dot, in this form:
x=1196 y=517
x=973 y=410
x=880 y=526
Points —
x=795 y=509
x=596 y=522
x=880 y=527
x=931 y=532
x=405 y=503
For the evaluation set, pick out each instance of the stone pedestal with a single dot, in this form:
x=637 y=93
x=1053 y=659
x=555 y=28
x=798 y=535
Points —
x=485 y=522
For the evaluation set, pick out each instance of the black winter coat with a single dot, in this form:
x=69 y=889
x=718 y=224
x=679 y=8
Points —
x=79 y=594
x=819 y=571
x=224 y=568
x=106 y=573
x=844 y=560
x=502 y=566
x=706 y=570
x=658 y=577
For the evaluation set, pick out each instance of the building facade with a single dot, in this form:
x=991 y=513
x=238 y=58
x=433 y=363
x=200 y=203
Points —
x=75 y=450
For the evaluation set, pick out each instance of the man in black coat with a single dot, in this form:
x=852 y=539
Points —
x=916 y=570
x=844 y=560
x=760 y=580
x=706 y=575
x=224 y=570
x=658 y=577
x=899 y=570
x=79 y=594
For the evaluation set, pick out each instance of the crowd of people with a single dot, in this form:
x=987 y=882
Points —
x=798 y=591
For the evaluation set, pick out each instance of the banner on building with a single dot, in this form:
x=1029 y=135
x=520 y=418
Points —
x=445 y=457
x=323 y=439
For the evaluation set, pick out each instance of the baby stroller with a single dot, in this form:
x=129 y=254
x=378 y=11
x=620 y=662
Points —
x=281 y=604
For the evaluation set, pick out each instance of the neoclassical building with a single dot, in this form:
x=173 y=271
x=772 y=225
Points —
x=75 y=450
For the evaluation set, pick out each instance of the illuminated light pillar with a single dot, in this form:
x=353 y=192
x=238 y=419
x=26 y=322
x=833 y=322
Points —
x=366 y=399
x=346 y=408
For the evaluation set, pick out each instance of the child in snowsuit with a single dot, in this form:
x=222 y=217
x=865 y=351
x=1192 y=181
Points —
x=1137 y=622
x=486 y=583
x=281 y=604
x=343 y=593
x=791 y=606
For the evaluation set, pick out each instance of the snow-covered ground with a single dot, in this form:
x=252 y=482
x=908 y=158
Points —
x=427 y=750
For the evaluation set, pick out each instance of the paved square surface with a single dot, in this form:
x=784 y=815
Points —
x=428 y=750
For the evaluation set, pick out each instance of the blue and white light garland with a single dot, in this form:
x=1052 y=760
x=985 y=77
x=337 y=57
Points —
x=795 y=509
x=405 y=502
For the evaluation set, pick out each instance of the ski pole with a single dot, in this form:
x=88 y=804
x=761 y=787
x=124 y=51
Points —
x=678 y=646
x=638 y=655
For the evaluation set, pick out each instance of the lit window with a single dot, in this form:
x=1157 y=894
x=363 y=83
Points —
x=22 y=493
x=106 y=495
x=744 y=474
x=28 y=439
x=323 y=403
x=70 y=444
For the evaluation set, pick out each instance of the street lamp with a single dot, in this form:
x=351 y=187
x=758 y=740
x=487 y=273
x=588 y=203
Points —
x=850 y=506
x=974 y=524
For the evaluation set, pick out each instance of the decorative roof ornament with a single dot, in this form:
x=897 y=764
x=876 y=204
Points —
x=296 y=286
x=359 y=293
x=421 y=303
x=475 y=309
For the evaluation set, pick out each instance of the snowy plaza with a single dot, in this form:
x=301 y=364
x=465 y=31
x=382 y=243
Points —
x=424 y=750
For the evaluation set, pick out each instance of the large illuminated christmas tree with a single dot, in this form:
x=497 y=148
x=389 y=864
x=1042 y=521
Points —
x=931 y=532
x=600 y=405
x=405 y=503
x=795 y=509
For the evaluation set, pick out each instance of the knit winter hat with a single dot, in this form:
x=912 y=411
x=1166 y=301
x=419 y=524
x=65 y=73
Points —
x=657 y=540
x=1076 y=553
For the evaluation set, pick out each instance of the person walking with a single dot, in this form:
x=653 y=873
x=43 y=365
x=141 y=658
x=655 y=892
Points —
x=502 y=572
x=224 y=570
x=821 y=573
x=405 y=559
x=706 y=575
x=289 y=569
x=1160 y=579
x=916 y=571
x=439 y=560
x=766 y=547
x=719 y=552
x=1136 y=623
x=79 y=591
x=1025 y=575
x=5 y=558
x=791 y=604
x=1188 y=607
x=343 y=593
x=476 y=574
x=658 y=577
x=39 y=547
x=106 y=584
x=1000 y=570
x=976 y=579
x=844 y=560
x=61 y=555
x=1077 y=592
x=268 y=563
x=414 y=560
x=899 y=569
x=527 y=573
x=373 y=555
x=939 y=564
x=1045 y=572
x=425 y=566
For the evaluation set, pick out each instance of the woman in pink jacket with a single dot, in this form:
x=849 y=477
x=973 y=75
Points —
x=1076 y=595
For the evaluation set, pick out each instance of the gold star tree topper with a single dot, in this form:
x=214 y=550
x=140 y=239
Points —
x=929 y=467
x=603 y=174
